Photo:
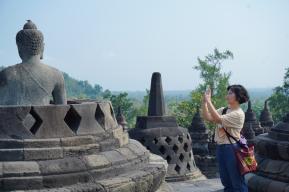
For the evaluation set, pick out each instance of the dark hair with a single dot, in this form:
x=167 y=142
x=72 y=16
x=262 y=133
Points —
x=241 y=93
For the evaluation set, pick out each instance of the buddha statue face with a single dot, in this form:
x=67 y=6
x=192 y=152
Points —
x=29 y=41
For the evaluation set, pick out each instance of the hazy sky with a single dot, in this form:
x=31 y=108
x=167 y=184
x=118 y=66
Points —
x=119 y=43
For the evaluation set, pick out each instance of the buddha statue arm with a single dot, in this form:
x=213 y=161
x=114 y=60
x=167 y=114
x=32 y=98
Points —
x=59 y=93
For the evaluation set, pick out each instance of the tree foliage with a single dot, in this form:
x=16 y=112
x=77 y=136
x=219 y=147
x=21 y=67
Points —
x=279 y=101
x=81 y=89
x=211 y=74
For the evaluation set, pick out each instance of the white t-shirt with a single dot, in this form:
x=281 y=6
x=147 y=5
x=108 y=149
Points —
x=233 y=122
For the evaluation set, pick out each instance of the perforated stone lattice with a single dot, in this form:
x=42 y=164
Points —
x=176 y=150
x=57 y=120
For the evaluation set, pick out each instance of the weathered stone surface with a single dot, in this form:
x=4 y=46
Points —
x=108 y=144
x=49 y=128
x=75 y=163
x=41 y=143
x=61 y=166
x=1 y=169
x=82 y=119
x=118 y=184
x=208 y=165
x=120 y=118
x=121 y=136
x=96 y=161
x=54 y=181
x=156 y=99
x=11 y=144
x=11 y=154
x=77 y=141
x=146 y=122
x=114 y=157
x=107 y=121
x=12 y=122
x=80 y=150
x=20 y=168
x=21 y=183
x=128 y=154
x=43 y=153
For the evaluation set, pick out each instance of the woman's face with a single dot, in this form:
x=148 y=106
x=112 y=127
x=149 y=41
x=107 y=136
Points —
x=231 y=98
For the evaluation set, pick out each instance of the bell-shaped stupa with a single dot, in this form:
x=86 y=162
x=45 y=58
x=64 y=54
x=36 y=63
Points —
x=266 y=119
x=162 y=135
x=251 y=123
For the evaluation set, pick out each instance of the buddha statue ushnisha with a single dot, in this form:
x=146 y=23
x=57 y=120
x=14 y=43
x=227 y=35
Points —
x=31 y=82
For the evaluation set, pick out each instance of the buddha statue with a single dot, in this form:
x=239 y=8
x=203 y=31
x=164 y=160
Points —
x=31 y=82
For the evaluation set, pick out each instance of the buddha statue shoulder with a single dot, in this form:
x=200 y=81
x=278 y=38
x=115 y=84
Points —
x=31 y=82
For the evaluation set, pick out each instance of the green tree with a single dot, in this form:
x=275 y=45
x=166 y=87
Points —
x=121 y=100
x=279 y=101
x=81 y=89
x=143 y=108
x=211 y=74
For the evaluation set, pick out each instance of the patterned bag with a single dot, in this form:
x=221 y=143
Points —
x=244 y=153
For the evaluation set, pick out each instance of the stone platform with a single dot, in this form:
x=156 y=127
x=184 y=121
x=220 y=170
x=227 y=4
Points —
x=77 y=147
x=207 y=185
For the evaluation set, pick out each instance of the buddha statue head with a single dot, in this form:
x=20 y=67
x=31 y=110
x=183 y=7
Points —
x=30 y=41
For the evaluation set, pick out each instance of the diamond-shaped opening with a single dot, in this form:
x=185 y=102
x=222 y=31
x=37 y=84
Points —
x=175 y=148
x=178 y=169
x=190 y=154
x=168 y=140
x=181 y=157
x=162 y=150
x=188 y=136
x=155 y=141
x=72 y=119
x=186 y=147
x=99 y=116
x=142 y=140
x=168 y=159
x=181 y=139
x=188 y=166
x=38 y=121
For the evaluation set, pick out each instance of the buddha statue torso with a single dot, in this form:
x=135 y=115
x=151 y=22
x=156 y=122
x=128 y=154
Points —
x=31 y=82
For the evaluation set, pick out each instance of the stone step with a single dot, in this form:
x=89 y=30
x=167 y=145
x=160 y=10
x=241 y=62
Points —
x=146 y=179
x=70 y=170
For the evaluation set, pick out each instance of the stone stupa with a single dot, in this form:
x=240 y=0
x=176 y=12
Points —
x=251 y=126
x=272 y=153
x=205 y=160
x=121 y=119
x=266 y=119
x=76 y=147
x=162 y=136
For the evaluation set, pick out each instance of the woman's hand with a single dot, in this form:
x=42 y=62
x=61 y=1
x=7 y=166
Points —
x=207 y=95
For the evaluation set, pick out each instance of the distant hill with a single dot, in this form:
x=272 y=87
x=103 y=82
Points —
x=255 y=94
x=83 y=89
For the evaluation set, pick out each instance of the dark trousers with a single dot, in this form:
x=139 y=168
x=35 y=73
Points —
x=230 y=175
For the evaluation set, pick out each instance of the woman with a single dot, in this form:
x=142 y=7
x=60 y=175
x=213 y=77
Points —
x=230 y=118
